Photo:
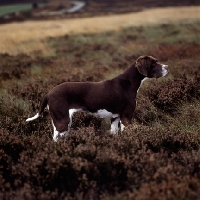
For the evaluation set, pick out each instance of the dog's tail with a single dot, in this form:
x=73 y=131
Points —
x=42 y=107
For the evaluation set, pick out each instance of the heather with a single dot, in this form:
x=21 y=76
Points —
x=157 y=157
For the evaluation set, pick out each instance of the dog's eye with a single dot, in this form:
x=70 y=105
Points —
x=154 y=62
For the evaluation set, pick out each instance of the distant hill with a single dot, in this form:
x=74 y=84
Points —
x=147 y=3
x=151 y=3
x=133 y=5
x=59 y=8
x=9 y=2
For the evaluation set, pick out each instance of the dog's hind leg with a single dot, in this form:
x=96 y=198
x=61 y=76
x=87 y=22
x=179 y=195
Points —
x=55 y=133
x=60 y=118
x=71 y=112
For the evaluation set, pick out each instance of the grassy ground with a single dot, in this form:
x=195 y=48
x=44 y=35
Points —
x=157 y=156
x=15 y=8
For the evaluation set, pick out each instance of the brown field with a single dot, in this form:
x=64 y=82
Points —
x=28 y=36
x=157 y=157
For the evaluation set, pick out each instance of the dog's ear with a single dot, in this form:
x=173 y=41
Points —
x=143 y=64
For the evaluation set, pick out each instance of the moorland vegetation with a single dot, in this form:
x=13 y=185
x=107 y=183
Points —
x=157 y=157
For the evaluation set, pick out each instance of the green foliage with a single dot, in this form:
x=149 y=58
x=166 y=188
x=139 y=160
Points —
x=15 y=8
x=172 y=33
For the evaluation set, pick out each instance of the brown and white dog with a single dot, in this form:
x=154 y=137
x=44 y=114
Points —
x=114 y=98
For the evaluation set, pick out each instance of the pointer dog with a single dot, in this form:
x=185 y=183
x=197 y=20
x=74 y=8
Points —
x=114 y=98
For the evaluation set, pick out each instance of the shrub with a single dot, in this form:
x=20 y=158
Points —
x=170 y=94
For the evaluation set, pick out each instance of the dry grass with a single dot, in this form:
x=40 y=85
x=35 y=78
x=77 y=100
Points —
x=28 y=36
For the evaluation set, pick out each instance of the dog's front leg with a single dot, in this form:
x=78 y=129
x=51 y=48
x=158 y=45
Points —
x=122 y=126
x=115 y=125
x=127 y=115
x=125 y=120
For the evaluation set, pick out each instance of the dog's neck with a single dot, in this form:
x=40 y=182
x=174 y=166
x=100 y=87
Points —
x=133 y=75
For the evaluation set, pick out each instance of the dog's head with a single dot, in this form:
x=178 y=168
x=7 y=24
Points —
x=150 y=67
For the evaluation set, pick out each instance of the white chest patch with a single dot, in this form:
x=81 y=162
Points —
x=142 y=82
x=103 y=113
x=164 y=70
x=72 y=111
